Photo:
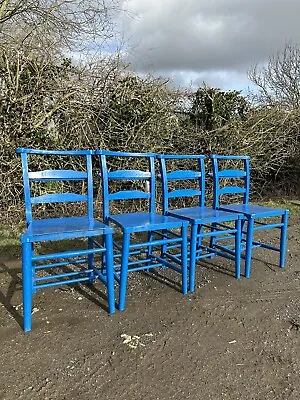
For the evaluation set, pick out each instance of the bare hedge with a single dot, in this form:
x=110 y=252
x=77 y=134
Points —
x=54 y=105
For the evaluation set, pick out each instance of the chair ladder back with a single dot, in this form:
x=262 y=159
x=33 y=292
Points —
x=220 y=174
x=56 y=175
x=126 y=175
x=180 y=175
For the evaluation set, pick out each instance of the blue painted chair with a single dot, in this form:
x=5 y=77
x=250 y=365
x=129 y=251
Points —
x=235 y=181
x=160 y=230
x=35 y=266
x=205 y=222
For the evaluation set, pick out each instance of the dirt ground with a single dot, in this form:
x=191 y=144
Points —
x=229 y=340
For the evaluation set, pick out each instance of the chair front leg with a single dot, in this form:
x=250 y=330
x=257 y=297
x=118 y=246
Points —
x=184 y=259
x=91 y=260
x=238 y=239
x=124 y=270
x=27 y=284
x=283 y=238
x=193 y=247
x=108 y=240
x=249 y=240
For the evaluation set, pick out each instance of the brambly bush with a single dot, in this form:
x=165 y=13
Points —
x=50 y=103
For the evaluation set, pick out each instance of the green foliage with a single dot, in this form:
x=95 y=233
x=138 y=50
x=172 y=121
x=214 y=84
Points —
x=213 y=108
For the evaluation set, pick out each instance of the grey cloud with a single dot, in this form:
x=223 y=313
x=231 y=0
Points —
x=206 y=38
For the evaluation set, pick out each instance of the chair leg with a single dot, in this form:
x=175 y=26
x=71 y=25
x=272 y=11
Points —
x=27 y=284
x=249 y=240
x=110 y=272
x=124 y=270
x=149 y=249
x=238 y=239
x=213 y=239
x=91 y=260
x=193 y=246
x=163 y=248
x=283 y=238
x=33 y=273
x=184 y=261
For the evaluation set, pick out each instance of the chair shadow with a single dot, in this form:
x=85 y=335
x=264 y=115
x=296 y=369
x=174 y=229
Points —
x=89 y=291
x=154 y=274
x=215 y=267
x=15 y=285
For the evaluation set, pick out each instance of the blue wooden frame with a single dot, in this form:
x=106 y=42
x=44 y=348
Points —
x=159 y=228
x=251 y=213
x=199 y=217
x=50 y=229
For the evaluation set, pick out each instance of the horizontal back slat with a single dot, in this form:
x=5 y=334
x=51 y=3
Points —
x=123 y=154
x=183 y=174
x=181 y=156
x=231 y=173
x=184 y=193
x=232 y=190
x=58 y=198
x=57 y=175
x=55 y=152
x=218 y=157
x=129 y=194
x=129 y=174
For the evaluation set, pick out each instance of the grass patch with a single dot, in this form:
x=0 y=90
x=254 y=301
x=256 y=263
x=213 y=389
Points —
x=291 y=205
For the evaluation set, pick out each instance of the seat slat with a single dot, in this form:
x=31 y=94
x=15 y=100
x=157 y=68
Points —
x=184 y=193
x=130 y=174
x=183 y=174
x=58 y=198
x=56 y=175
x=129 y=194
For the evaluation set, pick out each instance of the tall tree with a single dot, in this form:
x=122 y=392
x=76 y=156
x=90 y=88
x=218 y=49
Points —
x=56 y=23
x=278 y=82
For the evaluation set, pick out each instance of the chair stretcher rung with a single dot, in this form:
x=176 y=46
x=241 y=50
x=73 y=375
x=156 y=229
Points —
x=215 y=233
x=142 y=268
x=173 y=258
x=97 y=243
x=167 y=263
x=265 y=245
x=65 y=275
x=61 y=264
x=66 y=254
x=167 y=231
x=154 y=243
x=267 y=226
x=66 y=282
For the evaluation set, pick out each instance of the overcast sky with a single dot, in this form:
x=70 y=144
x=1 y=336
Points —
x=215 y=41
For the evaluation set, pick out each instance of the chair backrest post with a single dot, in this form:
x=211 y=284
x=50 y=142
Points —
x=28 y=206
x=105 y=187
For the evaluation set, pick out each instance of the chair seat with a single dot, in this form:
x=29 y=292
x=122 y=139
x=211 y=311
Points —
x=142 y=221
x=197 y=215
x=253 y=210
x=64 y=228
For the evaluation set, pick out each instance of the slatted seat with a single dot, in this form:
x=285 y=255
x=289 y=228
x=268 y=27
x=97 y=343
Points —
x=54 y=229
x=232 y=181
x=137 y=254
x=63 y=228
x=143 y=222
x=205 y=222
